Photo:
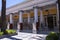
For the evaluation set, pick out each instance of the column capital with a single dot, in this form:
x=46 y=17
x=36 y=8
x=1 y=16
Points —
x=20 y=11
x=11 y=13
x=35 y=7
x=40 y=8
x=56 y=1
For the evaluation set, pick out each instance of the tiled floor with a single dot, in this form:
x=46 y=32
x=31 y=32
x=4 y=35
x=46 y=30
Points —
x=26 y=36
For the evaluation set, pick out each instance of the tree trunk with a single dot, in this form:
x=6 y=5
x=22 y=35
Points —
x=59 y=14
x=3 y=16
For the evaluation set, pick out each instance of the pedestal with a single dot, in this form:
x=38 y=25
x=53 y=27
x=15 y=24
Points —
x=37 y=26
x=11 y=26
x=21 y=26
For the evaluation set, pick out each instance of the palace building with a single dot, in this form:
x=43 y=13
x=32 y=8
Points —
x=34 y=16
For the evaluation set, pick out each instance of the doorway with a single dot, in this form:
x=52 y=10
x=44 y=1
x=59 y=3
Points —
x=50 y=22
x=26 y=26
x=15 y=25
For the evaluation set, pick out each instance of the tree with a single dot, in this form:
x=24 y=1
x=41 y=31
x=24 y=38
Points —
x=3 y=16
x=59 y=13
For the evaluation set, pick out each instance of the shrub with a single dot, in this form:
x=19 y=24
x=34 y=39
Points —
x=52 y=36
x=58 y=35
x=10 y=31
x=1 y=33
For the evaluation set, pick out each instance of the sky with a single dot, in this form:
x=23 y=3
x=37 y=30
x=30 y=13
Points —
x=10 y=3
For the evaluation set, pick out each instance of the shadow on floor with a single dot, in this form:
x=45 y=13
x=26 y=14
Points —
x=37 y=38
x=14 y=38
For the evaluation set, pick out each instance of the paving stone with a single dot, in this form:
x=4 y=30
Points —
x=26 y=36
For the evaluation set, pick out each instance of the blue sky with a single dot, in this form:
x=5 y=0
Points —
x=10 y=3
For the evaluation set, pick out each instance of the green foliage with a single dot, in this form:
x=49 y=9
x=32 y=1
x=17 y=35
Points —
x=52 y=36
x=58 y=34
x=1 y=33
x=10 y=31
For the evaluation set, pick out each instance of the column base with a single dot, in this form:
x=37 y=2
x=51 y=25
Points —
x=34 y=31
x=21 y=26
x=11 y=26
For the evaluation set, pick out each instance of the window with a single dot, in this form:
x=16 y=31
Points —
x=54 y=21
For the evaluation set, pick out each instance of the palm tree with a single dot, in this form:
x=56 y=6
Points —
x=3 y=16
x=59 y=14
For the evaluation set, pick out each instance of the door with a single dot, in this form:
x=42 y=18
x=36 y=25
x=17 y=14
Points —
x=50 y=22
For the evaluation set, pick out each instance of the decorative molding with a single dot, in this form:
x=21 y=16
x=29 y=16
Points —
x=21 y=11
x=36 y=7
x=29 y=5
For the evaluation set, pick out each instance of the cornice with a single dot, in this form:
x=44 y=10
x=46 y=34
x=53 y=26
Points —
x=27 y=5
x=19 y=4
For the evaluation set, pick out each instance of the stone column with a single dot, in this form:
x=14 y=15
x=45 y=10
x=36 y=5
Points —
x=18 y=27
x=35 y=28
x=21 y=19
x=11 y=21
x=57 y=15
x=29 y=24
x=35 y=14
x=41 y=18
x=8 y=25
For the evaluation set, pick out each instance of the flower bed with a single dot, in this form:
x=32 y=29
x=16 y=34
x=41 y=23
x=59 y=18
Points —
x=9 y=32
x=1 y=33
